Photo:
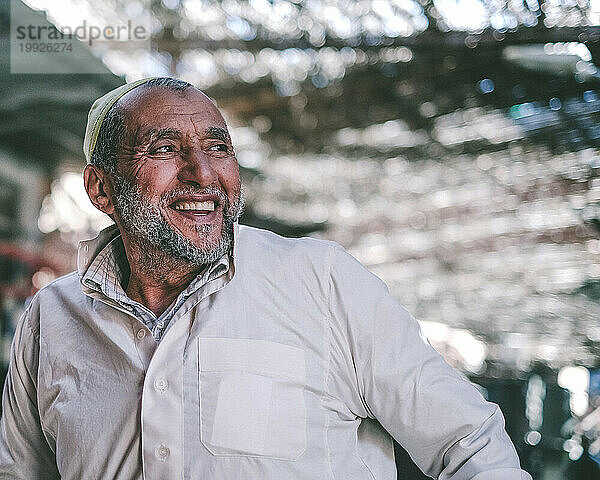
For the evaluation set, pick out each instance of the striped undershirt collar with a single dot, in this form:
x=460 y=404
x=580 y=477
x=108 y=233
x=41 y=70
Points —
x=109 y=270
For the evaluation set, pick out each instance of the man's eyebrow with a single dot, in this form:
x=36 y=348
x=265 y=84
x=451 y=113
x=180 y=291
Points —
x=153 y=134
x=218 y=132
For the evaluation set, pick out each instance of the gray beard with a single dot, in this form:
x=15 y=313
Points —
x=146 y=224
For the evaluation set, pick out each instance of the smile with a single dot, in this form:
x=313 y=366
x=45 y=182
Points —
x=201 y=208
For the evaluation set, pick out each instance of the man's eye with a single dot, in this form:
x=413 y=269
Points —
x=220 y=147
x=164 y=149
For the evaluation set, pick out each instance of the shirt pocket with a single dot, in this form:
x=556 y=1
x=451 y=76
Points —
x=252 y=398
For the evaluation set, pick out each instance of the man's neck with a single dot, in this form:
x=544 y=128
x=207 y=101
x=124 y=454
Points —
x=156 y=279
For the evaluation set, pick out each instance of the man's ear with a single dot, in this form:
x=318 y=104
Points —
x=99 y=188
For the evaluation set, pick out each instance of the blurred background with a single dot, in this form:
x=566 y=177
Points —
x=450 y=145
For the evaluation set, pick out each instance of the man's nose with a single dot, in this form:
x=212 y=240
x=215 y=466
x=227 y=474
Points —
x=197 y=168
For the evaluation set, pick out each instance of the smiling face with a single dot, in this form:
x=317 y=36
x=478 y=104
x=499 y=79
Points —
x=177 y=185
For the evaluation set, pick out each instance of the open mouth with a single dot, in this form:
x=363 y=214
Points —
x=195 y=208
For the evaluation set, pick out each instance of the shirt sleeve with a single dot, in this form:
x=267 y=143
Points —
x=443 y=422
x=24 y=451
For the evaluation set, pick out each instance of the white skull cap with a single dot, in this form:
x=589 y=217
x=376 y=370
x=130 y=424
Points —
x=99 y=110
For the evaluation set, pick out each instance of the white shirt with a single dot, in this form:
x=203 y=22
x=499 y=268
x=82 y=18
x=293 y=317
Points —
x=296 y=363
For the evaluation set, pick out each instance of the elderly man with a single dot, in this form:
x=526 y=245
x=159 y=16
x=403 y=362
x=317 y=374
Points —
x=187 y=347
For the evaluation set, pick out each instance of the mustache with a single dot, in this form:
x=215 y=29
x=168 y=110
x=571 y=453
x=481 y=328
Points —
x=167 y=197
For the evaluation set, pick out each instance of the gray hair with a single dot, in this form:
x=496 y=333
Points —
x=112 y=129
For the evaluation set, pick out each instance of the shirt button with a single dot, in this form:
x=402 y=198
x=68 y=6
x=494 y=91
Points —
x=162 y=452
x=141 y=334
x=161 y=385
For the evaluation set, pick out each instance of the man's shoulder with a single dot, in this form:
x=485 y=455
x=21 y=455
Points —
x=268 y=242
x=66 y=288
x=261 y=250
x=66 y=282
x=55 y=296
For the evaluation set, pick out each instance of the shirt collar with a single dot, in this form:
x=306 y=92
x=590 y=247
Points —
x=88 y=250
x=101 y=264
x=108 y=270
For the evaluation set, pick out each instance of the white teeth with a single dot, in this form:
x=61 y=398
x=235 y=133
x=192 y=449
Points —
x=206 y=206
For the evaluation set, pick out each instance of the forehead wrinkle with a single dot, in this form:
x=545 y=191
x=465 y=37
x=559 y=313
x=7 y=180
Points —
x=179 y=110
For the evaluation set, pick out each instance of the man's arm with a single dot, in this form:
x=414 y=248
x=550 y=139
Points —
x=443 y=422
x=24 y=451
